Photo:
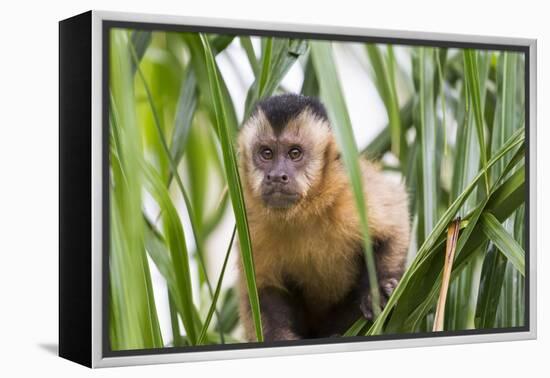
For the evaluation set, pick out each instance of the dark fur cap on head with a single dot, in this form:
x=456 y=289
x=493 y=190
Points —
x=282 y=108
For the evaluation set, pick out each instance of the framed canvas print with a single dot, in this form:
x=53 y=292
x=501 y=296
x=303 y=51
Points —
x=235 y=189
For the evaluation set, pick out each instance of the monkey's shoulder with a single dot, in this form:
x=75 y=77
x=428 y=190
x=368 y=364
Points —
x=387 y=202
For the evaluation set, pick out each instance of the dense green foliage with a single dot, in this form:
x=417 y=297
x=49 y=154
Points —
x=455 y=136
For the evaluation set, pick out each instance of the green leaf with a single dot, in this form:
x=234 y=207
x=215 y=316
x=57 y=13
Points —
x=441 y=85
x=175 y=239
x=174 y=171
x=464 y=290
x=433 y=242
x=472 y=80
x=155 y=244
x=426 y=278
x=428 y=172
x=310 y=86
x=467 y=153
x=504 y=241
x=505 y=121
x=141 y=40
x=331 y=92
x=174 y=321
x=473 y=236
x=356 y=327
x=227 y=138
x=196 y=48
x=492 y=277
x=278 y=56
x=218 y=289
x=157 y=250
x=229 y=310
x=185 y=110
x=508 y=197
x=134 y=322
x=266 y=67
x=246 y=43
x=385 y=82
x=220 y=42
x=382 y=142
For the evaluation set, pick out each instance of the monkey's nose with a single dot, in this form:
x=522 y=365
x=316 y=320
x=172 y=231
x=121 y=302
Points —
x=278 y=178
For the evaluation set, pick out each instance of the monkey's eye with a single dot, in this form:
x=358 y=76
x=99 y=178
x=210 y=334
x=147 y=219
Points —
x=266 y=153
x=295 y=153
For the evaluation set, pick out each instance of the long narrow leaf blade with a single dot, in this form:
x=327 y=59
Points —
x=472 y=80
x=178 y=249
x=504 y=241
x=428 y=173
x=227 y=138
x=385 y=82
x=218 y=289
x=333 y=97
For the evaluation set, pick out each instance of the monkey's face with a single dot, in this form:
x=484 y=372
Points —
x=282 y=164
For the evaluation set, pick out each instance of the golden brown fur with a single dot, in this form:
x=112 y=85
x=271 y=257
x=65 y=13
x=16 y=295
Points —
x=315 y=243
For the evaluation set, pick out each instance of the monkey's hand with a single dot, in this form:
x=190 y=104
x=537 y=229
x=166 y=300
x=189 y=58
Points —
x=386 y=287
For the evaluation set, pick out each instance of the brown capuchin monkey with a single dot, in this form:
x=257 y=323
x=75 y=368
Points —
x=306 y=240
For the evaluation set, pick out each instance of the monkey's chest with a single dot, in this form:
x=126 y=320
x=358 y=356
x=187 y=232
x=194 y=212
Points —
x=322 y=270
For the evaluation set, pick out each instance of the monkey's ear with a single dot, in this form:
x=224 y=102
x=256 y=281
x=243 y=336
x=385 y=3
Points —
x=332 y=153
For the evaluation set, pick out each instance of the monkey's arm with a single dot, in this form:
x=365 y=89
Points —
x=390 y=264
x=388 y=213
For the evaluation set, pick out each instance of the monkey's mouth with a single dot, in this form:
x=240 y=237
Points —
x=279 y=199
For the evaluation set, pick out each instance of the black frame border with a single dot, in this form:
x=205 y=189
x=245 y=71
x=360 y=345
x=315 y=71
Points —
x=107 y=25
x=75 y=189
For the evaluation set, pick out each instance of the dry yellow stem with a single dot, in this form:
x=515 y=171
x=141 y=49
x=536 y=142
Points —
x=452 y=237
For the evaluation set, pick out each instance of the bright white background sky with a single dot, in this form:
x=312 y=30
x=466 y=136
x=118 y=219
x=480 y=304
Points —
x=29 y=191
